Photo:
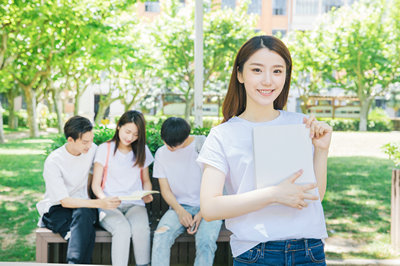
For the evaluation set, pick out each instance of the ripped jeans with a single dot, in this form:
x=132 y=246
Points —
x=169 y=228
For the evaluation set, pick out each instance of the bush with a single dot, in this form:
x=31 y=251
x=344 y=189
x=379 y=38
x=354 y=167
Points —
x=21 y=115
x=393 y=150
x=378 y=120
x=341 y=124
x=103 y=134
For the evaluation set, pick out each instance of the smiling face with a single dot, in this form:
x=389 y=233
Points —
x=263 y=77
x=128 y=133
x=80 y=145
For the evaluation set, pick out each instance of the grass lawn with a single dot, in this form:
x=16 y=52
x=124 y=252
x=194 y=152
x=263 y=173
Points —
x=357 y=202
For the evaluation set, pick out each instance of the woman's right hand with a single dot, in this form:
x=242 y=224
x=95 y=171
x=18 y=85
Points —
x=110 y=203
x=293 y=195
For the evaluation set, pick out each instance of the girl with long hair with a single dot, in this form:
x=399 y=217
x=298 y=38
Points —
x=121 y=168
x=277 y=225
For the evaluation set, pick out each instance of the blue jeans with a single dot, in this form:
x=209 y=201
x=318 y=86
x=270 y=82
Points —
x=285 y=253
x=169 y=228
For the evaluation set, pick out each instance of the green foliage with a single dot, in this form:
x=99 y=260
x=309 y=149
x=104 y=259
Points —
x=378 y=120
x=21 y=115
x=393 y=150
x=102 y=134
x=349 y=124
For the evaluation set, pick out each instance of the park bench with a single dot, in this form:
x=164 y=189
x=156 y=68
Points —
x=51 y=248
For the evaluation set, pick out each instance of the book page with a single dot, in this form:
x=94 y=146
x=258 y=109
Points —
x=280 y=151
x=138 y=195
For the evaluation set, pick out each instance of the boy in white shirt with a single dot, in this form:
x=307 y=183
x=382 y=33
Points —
x=66 y=208
x=180 y=176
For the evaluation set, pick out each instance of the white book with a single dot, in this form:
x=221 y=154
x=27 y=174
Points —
x=280 y=151
x=138 y=195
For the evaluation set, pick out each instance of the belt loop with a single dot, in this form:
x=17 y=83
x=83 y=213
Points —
x=306 y=247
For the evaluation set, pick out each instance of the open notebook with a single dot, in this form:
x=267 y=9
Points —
x=280 y=151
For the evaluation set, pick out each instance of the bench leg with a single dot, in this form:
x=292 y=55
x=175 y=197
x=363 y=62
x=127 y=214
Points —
x=41 y=249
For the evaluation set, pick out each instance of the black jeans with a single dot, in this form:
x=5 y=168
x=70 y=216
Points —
x=81 y=223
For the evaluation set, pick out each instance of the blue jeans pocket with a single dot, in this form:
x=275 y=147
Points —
x=250 y=256
x=317 y=254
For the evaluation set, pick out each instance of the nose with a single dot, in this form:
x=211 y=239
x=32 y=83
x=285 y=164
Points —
x=267 y=78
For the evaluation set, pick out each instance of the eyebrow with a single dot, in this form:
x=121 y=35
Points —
x=259 y=64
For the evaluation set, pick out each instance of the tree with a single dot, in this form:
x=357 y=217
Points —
x=360 y=53
x=310 y=63
x=224 y=33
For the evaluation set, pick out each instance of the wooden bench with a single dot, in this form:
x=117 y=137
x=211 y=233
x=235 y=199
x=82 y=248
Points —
x=52 y=248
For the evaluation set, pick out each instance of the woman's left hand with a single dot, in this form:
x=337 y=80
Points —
x=148 y=198
x=320 y=133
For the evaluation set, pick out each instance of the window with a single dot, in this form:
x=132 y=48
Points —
x=279 y=7
x=279 y=33
x=329 y=4
x=306 y=7
x=228 y=4
x=152 y=7
x=254 y=7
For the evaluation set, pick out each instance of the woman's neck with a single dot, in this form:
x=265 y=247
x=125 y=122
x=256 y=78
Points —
x=124 y=149
x=259 y=113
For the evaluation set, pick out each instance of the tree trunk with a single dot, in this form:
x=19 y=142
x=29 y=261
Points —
x=303 y=104
x=364 y=109
x=57 y=106
x=2 y=139
x=188 y=107
x=12 y=122
x=31 y=108
x=100 y=113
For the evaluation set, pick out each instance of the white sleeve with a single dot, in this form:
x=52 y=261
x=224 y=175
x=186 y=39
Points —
x=212 y=153
x=158 y=169
x=55 y=186
x=101 y=154
x=149 y=157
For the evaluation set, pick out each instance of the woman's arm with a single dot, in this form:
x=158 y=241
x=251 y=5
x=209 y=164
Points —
x=146 y=185
x=215 y=206
x=321 y=134
x=96 y=182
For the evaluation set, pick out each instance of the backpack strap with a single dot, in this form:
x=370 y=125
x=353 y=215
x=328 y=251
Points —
x=199 y=141
x=103 y=181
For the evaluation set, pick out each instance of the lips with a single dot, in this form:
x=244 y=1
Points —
x=265 y=92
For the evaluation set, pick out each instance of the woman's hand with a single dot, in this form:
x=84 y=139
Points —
x=293 y=195
x=148 y=198
x=320 y=133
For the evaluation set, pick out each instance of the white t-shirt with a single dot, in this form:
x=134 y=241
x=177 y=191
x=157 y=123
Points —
x=65 y=175
x=182 y=172
x=122 y=177
x=229 y=148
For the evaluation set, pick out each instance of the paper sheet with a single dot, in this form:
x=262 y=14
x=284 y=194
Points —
x=280 y=151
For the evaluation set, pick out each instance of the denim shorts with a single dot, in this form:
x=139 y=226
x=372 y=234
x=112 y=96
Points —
x=285 y=253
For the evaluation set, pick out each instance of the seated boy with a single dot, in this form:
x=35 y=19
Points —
x=66 y=208
x=179 y=176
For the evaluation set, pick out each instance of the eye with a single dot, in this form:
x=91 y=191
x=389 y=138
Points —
x=257 y=70
x=278 y=71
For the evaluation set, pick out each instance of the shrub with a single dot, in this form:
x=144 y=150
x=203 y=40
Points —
x=21 y=115
x=103 y=134
x=378 y=120
x=393 y=150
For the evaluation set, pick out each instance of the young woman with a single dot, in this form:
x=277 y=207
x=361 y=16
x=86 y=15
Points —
x=276 y=225
x=121 y=168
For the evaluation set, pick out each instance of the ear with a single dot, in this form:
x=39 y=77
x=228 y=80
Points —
x=70 y=140
x=240 y=76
